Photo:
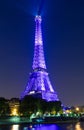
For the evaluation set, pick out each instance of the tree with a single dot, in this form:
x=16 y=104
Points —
x=4 y=107
x=30 y=104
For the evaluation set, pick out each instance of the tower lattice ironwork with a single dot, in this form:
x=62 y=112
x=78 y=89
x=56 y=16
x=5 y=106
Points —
x=39 y=83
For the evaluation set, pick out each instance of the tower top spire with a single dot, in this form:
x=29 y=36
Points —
x=38 y=18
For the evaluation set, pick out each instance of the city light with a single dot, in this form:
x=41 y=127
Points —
x=77 y=109
x=15 y=127
x=14 y=112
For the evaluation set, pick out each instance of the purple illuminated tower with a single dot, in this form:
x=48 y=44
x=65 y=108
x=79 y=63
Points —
x=39 y=83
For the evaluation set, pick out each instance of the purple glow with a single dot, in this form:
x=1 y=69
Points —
x=39 y=80
x=38 y=60
x=38 y=34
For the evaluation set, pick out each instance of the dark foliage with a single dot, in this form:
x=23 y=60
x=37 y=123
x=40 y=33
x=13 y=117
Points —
x=30 y=104
x=4 y=107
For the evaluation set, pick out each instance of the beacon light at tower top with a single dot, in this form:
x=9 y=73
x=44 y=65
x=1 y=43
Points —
x=38 y=18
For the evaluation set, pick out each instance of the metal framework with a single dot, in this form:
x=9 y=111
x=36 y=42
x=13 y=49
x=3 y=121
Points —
x=39 y=83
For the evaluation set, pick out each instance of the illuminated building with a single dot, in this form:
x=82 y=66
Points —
x=39 y=84
x=14 y=107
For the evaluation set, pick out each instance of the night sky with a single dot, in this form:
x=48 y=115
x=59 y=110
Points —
x=63 y=36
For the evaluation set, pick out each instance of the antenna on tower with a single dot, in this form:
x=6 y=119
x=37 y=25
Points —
x=40 y=7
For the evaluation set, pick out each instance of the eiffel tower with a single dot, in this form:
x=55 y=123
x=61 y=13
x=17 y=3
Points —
x=39 y=84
